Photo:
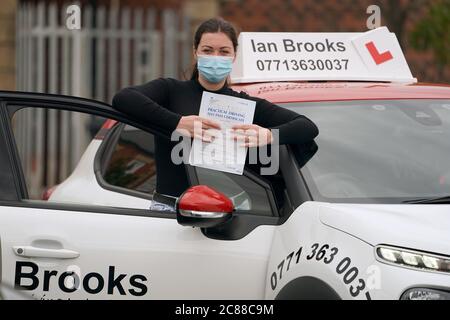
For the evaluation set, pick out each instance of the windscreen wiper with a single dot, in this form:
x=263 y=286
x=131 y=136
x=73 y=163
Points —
x=441 y=200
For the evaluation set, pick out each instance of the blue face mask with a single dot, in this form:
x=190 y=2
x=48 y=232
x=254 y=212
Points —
x=214 y=68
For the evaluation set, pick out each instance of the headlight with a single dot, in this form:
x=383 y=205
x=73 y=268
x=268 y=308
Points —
x=425 y=294
x=412 y=259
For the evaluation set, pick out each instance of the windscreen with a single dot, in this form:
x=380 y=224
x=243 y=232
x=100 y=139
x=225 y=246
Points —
x=379 y=151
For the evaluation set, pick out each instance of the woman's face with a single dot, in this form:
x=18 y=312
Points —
x=216 y=44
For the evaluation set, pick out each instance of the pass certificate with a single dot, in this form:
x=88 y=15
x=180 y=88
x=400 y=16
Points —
x=223 y=153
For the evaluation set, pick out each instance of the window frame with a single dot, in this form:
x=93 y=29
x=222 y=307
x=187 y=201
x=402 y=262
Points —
x=11 y=102
x=10 y=188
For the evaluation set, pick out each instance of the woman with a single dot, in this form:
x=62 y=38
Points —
x=168 y=104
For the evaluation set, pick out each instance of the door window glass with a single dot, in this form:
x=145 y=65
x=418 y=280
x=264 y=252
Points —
x=57 y=150
x=132 y=163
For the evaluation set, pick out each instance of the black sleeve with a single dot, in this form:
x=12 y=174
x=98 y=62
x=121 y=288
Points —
x=147 y=103
x=293 y=128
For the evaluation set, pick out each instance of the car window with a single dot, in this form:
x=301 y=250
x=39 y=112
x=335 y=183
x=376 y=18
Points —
x=384 y=151
x=246 y=194
x=132 y=163
x=57 y=150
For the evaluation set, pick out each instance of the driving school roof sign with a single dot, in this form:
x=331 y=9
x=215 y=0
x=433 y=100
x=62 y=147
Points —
x=367 y=56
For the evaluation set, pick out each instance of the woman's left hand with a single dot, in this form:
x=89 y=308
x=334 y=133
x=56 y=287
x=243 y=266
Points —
x=252 y=135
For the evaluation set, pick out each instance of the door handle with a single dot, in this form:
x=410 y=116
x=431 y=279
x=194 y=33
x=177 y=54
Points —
x=33 y=252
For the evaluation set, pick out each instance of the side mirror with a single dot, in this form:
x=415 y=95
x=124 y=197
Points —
x=203 y=207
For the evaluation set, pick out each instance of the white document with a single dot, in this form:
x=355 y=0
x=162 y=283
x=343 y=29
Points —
x=223 y=153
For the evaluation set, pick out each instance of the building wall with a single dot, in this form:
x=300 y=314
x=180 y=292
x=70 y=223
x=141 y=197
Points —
x=200 y=10
x=257 y=15
x=7 y=45
x=400 y=16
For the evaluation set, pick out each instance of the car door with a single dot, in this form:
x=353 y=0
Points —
x=85 y=251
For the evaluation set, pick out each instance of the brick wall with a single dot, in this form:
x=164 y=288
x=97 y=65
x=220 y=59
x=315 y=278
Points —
x=7 y=45
x=159 y=4
x=335 y=16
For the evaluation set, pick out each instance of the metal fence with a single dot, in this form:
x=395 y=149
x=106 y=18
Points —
x=114 y=48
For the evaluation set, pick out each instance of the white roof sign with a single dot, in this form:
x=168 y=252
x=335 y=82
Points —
x=360 y=56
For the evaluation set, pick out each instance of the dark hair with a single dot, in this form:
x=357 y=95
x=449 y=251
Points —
x=214 y=25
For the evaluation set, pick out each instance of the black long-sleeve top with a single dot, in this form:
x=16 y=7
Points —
x=162 y=102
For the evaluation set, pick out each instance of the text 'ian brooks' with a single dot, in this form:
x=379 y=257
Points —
x=292 y=46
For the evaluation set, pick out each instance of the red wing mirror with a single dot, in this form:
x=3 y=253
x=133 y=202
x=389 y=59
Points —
x=204 y=207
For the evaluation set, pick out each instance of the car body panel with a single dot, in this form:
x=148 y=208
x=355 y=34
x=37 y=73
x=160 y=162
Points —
x=177 y=262
x=305 y=228
x=283 y=92
x=422 y=226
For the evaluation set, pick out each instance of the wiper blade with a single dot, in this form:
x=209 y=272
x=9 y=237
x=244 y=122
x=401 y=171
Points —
x=445 y=199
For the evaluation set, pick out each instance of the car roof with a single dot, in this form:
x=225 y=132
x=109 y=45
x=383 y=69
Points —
x=281 y=92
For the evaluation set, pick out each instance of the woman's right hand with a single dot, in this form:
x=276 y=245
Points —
x=196 y=127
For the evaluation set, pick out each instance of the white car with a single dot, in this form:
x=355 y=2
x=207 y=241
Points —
x=343 y=225
x=361 y=213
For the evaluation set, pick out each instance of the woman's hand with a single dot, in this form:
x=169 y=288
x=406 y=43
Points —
x=197 y=127
x=252 y=135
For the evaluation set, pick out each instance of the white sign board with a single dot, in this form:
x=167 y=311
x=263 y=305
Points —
x=366 y=56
